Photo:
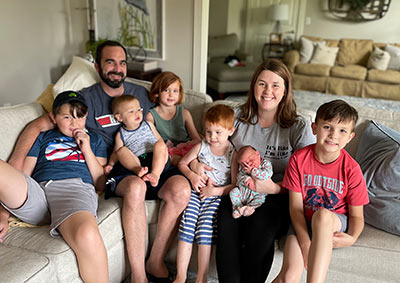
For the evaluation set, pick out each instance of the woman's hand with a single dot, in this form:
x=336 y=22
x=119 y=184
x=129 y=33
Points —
x=208 y=190
x=197 y=182
x=267 y=186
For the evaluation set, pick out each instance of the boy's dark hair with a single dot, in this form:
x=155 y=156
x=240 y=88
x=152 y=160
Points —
x=337 y=109
x=99 y=49
x=222 y=115
x=74 y=99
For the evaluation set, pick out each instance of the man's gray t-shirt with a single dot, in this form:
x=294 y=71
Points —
x=100 y=118
x=274 y=143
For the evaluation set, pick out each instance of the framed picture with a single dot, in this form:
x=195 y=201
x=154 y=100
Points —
x=275 y=38
x=137 y=24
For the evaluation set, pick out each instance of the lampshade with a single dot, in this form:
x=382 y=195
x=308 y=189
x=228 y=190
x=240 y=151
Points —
x=279 y=12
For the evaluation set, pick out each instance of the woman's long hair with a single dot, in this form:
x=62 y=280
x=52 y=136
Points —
x=286 y=114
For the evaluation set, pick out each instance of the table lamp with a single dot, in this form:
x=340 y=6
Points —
x=277 y=13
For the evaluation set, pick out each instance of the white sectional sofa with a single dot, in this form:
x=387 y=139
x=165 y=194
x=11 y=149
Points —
x=29 y=254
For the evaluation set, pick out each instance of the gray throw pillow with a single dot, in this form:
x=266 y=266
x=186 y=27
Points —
x=379 y=157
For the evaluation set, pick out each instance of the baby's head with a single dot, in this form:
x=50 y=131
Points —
x=219 y=123
x=69 y=112
x=166 y=88
x=248 y=157
x=127 y=110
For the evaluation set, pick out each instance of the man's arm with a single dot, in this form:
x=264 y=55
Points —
x=27 y=138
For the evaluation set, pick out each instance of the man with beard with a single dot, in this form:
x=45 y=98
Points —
x=111 y=65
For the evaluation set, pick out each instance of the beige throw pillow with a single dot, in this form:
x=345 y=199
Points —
x=379 y=59
x=394 y=52
x=324 y=55
x=307 y=49
x=80 y=74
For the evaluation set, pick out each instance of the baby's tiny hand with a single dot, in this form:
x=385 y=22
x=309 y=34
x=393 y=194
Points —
x=107 y=169
x=250 y=183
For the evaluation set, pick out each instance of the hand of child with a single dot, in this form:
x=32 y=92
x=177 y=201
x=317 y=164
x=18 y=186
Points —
x=208 y=190
x=250 y=183
x=200 y=169
x=341 y=240
x=107 y=169
x=3 y=229
x=197 y=182
x=305 y=249
x=82 y=140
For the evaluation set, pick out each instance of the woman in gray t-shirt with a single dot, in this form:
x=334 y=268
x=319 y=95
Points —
x=268 y=121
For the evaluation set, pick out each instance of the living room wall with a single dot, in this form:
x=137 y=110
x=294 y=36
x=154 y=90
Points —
x=39 y=39
x=322 y=24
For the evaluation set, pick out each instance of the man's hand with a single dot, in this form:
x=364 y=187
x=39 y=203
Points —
x=341 y=240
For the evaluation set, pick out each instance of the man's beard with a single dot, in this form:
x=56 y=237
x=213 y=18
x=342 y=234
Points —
x=112 y=83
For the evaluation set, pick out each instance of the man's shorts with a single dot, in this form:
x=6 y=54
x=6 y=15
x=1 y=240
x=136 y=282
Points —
x=119 y=172
x=343 y=219
x=51 y=202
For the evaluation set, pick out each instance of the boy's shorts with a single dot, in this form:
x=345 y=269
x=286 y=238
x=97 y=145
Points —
x=343 y=219
x=51 y=202
x=119 y=172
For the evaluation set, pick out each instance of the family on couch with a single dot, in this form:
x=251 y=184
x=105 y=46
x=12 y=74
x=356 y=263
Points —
x=268 y=121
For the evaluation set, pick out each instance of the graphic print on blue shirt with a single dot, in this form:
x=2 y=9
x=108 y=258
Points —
x=64 y=149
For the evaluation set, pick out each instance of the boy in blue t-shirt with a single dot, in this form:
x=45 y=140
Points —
x=57 y=185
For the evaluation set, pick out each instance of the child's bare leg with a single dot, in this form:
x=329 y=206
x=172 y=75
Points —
x=292 y=266
x=81 y=233
x=324 y=223
x=204 y=254
x=182 y=261
x=160 y=157
x=131 y=162
x=13 y=186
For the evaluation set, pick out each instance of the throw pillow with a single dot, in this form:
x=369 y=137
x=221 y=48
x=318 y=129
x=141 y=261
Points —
x=379 y=59
x=394 y=62
x=379 y=157
x=81 y=73
x=324 y=55
x=307 y=49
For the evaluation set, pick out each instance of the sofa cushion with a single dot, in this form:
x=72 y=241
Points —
x=355 y=72
x=388 y=76
x=307 y=49
x=222 y=46
x=354 y=51
x=324 y=55
x=313 y=70
x=222 y=72
x=13 y=120
x=380 y=90
x=379 y=59
x=81 y=73
x=378 y=154
x=394 y=62
x=19 y=265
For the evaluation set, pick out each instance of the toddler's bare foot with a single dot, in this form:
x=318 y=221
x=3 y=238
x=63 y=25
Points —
x=142 y=171
x=249 y=210
x=152 y=178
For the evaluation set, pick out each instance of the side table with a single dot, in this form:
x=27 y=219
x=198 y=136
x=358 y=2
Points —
x=275 y=50
x=144 y=75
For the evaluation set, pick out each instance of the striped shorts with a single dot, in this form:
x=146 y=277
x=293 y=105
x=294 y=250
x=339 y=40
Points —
x=199 y=220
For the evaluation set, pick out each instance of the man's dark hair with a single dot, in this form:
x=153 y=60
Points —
x=99 y=49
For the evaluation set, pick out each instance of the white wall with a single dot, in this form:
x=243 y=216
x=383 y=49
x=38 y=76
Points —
x=37 y=39
x=322 y=24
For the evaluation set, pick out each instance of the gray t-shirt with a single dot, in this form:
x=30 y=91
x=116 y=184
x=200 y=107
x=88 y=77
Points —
x=274 y=143
x=100 y=119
